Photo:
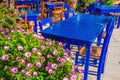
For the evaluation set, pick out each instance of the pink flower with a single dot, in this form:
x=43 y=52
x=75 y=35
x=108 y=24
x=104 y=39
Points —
x=61 y=64
x=72 y=54
x=60 y=43
x=23 y=61
x=20 y=48
x=14 y=69
x=35 y=73
x=0 y=28
x=50 y=71
x=61 y=59
x=73 y=77
x=47 y=68
x=19 y=30
x=27 y=54
x=41 y=37
x=43 y=58
x=65 y=55
x=5 y=57
x=29 y=65
x=6 y=48
x=49 y=64
x=80 y=71
x=42 y=47
x=49 y=56
x=49 y=43
x=28 y=73
x=8 y=37
x=55 y=52
x=38 y=64
x=65 y=78
x=68 y=51
x=54 y=66
x=23 y=71
x=38 y=53
x=25 y=33
x=72 y=72
x=34 y=50
x=12 y=31
x=76 y=67
x=18 y=57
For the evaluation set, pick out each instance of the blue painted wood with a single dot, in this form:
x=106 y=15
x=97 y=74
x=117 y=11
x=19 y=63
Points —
x=32 y=15
x=28 y=2
x=44 y=22
x=87 y=61
x=103 y=9
x=104 y=50
x=67 y=13
x=118 y=26
x=81 y=29
x=50 y=6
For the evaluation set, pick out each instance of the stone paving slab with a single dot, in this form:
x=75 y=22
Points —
x=112 y=67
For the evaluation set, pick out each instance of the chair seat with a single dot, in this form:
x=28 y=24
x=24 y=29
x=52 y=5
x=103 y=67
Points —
x=104 y=34
x=94 y=53
x=57 y=11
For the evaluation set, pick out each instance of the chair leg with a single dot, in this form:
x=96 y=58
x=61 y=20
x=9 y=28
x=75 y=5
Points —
x=118 y=26
x=95 y=61
x=76 y=58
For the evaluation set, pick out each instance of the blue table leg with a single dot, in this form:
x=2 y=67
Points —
x=35 y=27
x=87 y=61
x=76 y=58
x=118 y=26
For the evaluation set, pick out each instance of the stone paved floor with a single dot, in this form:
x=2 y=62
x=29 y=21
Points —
x=112 y=68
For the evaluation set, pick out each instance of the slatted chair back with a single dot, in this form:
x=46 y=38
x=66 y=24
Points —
x=51 y=0
x=58 y=10
x=44 y=22
x=43 y=10
x=24 y=7
x=104 y=50
x=69 y=13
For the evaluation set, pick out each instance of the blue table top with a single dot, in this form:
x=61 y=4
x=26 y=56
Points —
x=107 y=7
x=76 y=29
x=32 y=13
x=51 y=5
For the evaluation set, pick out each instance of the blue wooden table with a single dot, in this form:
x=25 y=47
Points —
x=105 y=9
x=28 y=2
x=81 y=29
x=50 y=6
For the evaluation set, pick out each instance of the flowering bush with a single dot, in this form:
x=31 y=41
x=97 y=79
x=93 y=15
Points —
x=26 y=56
x=23 y=56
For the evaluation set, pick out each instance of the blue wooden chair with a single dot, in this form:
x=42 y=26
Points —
x=91 y=7
x=97 y=52
x=44 y=22
x=69 y=13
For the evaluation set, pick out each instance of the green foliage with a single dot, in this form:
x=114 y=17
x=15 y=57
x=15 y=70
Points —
x=109 y=2
x=8 y=16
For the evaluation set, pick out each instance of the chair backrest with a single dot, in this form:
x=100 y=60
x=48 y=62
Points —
x=44 y=22
x=98 y=3
x=19 y=7
x=43 y=10
x=69 y=13
x=107 y=39
x=51 y=0
x=91 y=7
x=111 y=24
x=58 y=6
